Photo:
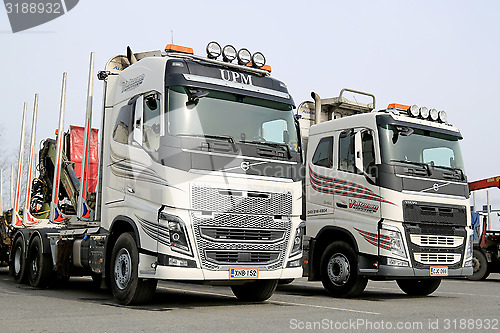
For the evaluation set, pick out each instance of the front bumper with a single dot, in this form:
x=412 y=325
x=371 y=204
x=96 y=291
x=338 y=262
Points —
x=409 y=272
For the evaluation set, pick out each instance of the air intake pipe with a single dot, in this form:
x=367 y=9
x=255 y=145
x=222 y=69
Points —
x=317 y=107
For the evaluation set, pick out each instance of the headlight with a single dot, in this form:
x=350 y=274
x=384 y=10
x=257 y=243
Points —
x=213 y=50
x=258 y=60
x=434 y=114
x=179 y=239
x=424 y=112
x=297 y=240
x=397 y=244
x=244 y=57
x=414 y=111
x=229 y=53
x=443 y=117
x=469 y=250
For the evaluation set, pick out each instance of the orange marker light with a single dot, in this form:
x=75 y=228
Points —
x=266 y=68
x=398 y=106
x=178 y=48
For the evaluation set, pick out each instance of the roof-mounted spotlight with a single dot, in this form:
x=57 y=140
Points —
x=443 y=117
x=244 y=57
x=258 y=60
x=424 y=112
x=414 y=110
x=213 y=50
x=434 y=114
x=228 y=53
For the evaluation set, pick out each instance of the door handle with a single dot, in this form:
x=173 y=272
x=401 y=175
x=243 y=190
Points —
x=341 y=205
x=130 y=189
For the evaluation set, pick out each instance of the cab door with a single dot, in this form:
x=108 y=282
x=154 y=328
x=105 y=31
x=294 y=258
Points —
x=357 y=197
x=319 y=182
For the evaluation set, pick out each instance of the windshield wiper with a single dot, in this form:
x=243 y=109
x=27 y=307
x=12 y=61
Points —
x=425 y=165
x=212 y=136
x=271 y=144
x=451 y=169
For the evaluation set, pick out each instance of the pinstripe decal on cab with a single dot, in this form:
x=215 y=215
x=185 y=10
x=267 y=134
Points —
x=342 y=187
x=384 y=241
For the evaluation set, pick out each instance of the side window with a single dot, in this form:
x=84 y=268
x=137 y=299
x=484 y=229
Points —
x=368 y=152
x=123 y=126
x=346 y=151
x=151 y=122
x=323 y=155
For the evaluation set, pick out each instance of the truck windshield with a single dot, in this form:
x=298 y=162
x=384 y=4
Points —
x=242 y=119
x=406 y=145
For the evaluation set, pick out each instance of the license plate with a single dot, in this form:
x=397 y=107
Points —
x=439 y=271
x=243 y=273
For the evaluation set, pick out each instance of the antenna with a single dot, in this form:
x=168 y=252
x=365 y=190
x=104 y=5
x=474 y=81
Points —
x=172 y=36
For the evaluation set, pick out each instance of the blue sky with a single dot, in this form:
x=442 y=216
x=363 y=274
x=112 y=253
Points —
x=439 y=54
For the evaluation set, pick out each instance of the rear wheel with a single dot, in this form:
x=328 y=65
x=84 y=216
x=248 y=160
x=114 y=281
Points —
x=17 y=265
x=339 y=271
x=479 y=266
x=255 y=291
x=419 y=287
x=39 y=267
x=127 y=287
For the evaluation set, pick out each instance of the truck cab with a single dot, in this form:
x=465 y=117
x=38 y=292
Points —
x=386 y=196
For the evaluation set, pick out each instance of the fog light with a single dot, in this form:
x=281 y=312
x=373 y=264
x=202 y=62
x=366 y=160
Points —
x=294 y=263
x=229 y=53
x=244 y=56
x=258 y=60
x=177 y=262
x=397 y=262
x=434 y=114
x=213 y=50
x=413 y=110
x=424 y=112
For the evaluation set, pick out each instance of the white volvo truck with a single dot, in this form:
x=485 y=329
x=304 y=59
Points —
x=386 y=196
x=198 y=181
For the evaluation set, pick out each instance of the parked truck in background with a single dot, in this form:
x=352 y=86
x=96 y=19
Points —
x=486 y=257
x=386 y=196
x=198 y=181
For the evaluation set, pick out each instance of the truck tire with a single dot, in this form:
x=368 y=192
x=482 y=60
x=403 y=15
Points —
x=255 y=291
x=39 y=265
x=127 y=287
x=419 y=287
x=17 y=265
x=480 y=266
x=339 y=271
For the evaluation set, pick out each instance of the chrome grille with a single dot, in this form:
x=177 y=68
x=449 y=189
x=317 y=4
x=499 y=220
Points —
x=241 y=234
x=437 y=258
x=436 y=241
x=211 y=199
x=242 y=257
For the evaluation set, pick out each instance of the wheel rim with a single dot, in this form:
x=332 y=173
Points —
x=338 y=269
x=476 y=265
x=123 y=269
x=17 y=260
x=34 y=262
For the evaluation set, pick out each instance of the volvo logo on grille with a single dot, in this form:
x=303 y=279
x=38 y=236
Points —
x=245 y=165
x=435 y=187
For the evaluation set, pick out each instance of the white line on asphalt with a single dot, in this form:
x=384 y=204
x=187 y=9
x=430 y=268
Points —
x=441 y=292
x=275 y=302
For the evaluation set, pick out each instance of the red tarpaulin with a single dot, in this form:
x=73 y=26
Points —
x=77 y=135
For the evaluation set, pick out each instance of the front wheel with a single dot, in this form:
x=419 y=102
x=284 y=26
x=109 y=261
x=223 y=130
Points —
x=339 y=271
x=256 y=291
x=479 y=266
x=419 y=287
x=17 y=265
x=127 y=287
